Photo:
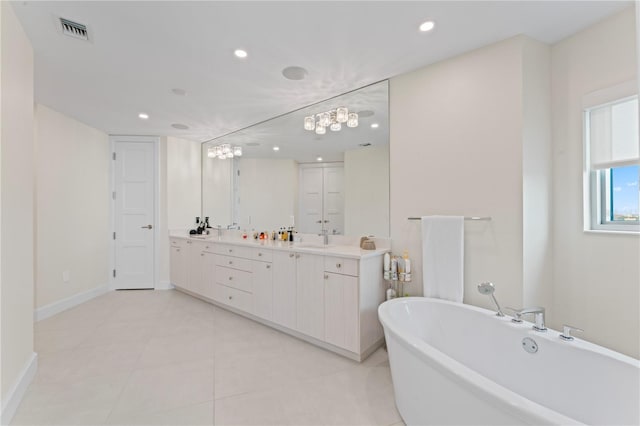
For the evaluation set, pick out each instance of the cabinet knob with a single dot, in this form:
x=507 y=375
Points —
x=268 y=266
x=230 y=278
x=259 y=254
x=338 y=265
x=188 y=242
x=177 y=249
x=290 y=254
x=230 y=250
x=231 y=262
x=318 y=221
x=230 y=297
x=326 y=277
x=201 y=254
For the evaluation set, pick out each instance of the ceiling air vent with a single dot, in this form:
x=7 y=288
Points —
x=73 y=29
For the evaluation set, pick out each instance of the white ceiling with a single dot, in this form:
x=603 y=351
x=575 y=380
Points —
x=139 y=51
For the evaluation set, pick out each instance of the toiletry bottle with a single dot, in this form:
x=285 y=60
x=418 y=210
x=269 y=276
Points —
x=391 y=293
x=387 y=266
x=291 y=234
x=394 y=268
x=407 y=265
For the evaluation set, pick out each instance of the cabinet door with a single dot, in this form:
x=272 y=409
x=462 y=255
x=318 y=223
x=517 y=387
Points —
x=208 y=274
x=310 y=294
x=194 y=267
x=177 y=267
x=284 y=289
x=341 y=311
x=262 y=290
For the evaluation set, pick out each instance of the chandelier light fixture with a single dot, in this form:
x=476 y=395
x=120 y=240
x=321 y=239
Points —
x=224 y=151
x=333 y=119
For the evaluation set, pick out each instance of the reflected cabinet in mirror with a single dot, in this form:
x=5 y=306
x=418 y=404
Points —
x=322 y=167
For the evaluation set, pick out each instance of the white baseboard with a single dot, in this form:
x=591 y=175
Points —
x=68 y=303
x=11 y=401
x=165 y=285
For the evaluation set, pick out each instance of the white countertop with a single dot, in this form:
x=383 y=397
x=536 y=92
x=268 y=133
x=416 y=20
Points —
x=349 y=251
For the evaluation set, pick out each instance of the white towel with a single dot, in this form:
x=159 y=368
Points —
x=443 y=257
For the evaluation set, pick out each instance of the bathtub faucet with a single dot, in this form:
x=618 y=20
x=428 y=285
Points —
x=538 y=315
x=488 y=289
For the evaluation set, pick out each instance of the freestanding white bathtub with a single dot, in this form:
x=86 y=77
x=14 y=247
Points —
x=459 y=364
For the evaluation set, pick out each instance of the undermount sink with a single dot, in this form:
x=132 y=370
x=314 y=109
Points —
x=313 y=245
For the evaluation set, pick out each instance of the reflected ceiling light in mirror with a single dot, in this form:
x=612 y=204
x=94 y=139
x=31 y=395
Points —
x=143 y=116
x=240 y=53
x=276 y=148
x=374 y=125
x=319 y=159
x=427 y=26
x=224 y=151
x=332 y=119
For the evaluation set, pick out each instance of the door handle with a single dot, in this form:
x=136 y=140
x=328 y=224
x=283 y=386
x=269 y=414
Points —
x=148 y=227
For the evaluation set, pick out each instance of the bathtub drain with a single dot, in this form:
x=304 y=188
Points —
x=529 y=345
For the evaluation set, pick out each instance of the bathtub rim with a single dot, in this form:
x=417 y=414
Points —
x=494 y=394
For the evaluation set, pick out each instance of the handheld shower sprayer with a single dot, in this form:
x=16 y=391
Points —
x=488 y=289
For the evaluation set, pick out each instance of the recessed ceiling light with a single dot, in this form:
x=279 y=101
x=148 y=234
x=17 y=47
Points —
x=374 y=125
x=179 y=126
x=294 y=73
x=427 y=26
x=319 y=159
x=240 y=53
x=179 y=92
x=276 y=148
x=143 y=116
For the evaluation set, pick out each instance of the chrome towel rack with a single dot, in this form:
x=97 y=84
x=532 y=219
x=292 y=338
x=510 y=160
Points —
x=465 y=218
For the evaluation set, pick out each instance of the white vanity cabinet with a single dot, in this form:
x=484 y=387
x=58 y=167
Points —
x=262 y=273
x=178 y=262
x=233 y=277
x=284 y=289
x=310 y=300
x=341 y=310
x=317 y=295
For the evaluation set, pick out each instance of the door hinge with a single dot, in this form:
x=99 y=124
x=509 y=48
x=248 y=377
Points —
x=114 y=235
x=114 y=156
x=114 y=273
x=113 y=194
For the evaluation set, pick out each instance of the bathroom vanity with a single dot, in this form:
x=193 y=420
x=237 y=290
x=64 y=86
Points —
x=325 y=295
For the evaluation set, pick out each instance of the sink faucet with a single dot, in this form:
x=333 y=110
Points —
x=325 y=236
x=538 y=315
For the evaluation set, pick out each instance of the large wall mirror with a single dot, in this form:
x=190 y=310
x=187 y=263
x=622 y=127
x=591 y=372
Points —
x=281 y=173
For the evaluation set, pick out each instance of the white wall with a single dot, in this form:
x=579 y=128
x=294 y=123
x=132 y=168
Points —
x=183 y=183
x=72 y=187
x=17 y=194
x=366 y=191
x=596 y=275
x=456 y=149
x=268 y=190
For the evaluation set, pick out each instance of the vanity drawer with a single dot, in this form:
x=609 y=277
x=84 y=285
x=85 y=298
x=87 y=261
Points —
x=341 y=265
x=233 y=297
x=240 y=280
x=233 y=262
x=236 y=251
x=263 y=255
x=177 y=242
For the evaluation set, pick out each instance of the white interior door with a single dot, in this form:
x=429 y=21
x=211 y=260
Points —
x=310 y=200
x=333 y=200
x=134 y=213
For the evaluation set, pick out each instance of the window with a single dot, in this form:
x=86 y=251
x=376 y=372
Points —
x=612 y=160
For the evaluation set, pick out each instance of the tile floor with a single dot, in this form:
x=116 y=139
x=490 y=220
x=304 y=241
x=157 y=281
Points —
x=163 y=357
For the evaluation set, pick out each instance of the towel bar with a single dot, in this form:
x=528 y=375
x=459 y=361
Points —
x=465 y=218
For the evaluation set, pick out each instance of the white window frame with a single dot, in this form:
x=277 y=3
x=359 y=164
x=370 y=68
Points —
x=595 y=181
